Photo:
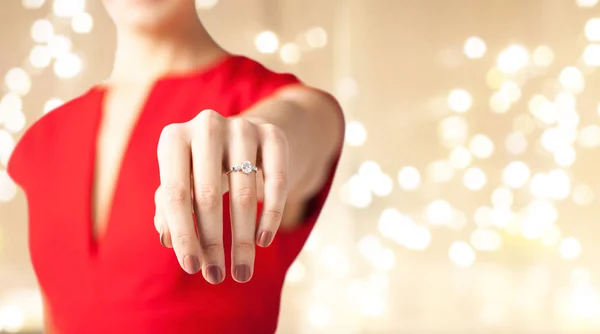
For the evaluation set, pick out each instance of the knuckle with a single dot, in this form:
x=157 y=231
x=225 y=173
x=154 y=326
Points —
x=244 y=246
x=170 y=134
x=272 y=216
x=207 y=197
x=278 y=183
x=158 y=223
x=244 y=197
x=212 y=246
x=184 y=240
x=210 y=123
x=157 y=196
x=280 y=176
x=273 y=132
x=175 y=194
x=242 y=127
x=171 y=131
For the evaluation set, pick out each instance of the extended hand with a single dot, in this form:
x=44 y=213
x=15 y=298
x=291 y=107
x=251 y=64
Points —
x=194 y=159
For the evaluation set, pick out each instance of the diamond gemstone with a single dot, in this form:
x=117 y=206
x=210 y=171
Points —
x=247 y=167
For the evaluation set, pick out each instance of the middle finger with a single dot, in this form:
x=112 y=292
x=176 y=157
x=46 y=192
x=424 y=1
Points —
x=243 y=145
x=207 y=158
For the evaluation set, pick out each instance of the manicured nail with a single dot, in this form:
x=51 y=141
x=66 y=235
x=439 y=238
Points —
x=162 y=240
x=215 y=276
x=265 y=239
x=242 y=273
x=191 y=264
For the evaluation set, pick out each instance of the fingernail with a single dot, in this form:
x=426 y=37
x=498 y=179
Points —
x=215 y=276
x=242 y=273
x=162 y=240
x=191 y=264
x=265 y=239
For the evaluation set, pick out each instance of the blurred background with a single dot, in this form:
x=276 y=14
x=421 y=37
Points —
x=467 y=197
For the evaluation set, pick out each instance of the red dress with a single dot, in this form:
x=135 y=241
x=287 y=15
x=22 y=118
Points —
x=129 y=283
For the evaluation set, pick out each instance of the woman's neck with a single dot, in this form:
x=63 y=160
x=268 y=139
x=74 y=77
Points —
x=141 y=58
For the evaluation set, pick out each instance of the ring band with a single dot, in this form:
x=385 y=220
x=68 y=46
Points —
x=245 y=167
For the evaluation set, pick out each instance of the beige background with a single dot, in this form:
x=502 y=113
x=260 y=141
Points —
x=405 y=56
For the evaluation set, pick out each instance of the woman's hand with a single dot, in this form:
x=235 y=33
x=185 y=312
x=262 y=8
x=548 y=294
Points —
x=194 y=160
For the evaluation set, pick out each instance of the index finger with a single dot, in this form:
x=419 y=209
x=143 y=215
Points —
x=174 y=162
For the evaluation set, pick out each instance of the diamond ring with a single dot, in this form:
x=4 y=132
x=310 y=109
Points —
x=245 y=167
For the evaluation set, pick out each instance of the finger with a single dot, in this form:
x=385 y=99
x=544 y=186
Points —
x=174 y=164
x=160 y=224
x=207 y=166
x=274 y=155
x=243 y=144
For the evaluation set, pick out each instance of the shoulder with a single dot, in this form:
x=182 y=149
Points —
x=27 y=154
x=250 y=81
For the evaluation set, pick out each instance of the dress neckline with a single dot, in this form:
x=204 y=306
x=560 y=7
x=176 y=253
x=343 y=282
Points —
x=98 y=238
x=197 y=73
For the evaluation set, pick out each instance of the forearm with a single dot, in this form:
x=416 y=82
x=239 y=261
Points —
x=313 y=126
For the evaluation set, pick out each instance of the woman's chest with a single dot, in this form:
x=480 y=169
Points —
x=61 y=241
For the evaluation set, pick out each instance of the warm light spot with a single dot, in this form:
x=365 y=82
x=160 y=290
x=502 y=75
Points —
x=356 y=134
x=290 y=53
x=570 y=248
x=591 y=55
x=316 y=37
x=59 y=46
x=481 y=146
x=439 y=212
x=319 y=316
x=68 y=66
x=543 y=56
x=516 y=174
x=460 y=100
x=82 y=23
x=474 y=178
x=583 y=195
x=205 y=4
x=17 y=80
x=486 y=240
x=592 y=29
x=52 y=104
x=461 y=254
x=68 y=8
x=40 y=56
x=409 y=178
x=513 y=59
x=586 y=3
x=453 y=131
x=33 y=4
x=516 y=143
x=502 y=197
x=267 y=42
x=42 y=31
x=460 y=157
x=474 y=47
x=572 y=79
x=440 y=171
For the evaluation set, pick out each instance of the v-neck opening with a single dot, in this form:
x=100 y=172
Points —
x=99 y=233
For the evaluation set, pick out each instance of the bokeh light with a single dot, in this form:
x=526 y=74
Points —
x=82 y=23
x=267 y=42
x=474 y=47
x=460 y=100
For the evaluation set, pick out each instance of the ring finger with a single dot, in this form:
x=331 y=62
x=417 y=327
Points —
x=243 y=146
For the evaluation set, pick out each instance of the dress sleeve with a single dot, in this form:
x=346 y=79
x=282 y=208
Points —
x=260 y=84
x=22 y=159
